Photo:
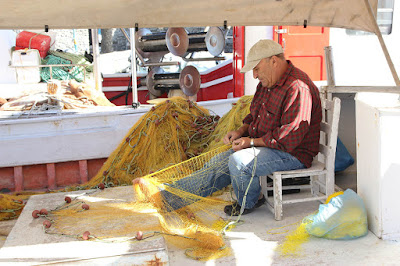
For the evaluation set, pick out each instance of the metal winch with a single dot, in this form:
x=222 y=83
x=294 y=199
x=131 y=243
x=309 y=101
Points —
x=151 y=45
x=158 y=82
x=180 y=42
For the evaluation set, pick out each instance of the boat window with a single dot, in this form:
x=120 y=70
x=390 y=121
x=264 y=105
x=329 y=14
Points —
x=384 y=19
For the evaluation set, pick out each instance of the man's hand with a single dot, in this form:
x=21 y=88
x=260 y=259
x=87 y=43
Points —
x=241 y=143
x=232 y=136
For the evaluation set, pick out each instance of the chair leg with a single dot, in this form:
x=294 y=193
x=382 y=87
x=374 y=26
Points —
x=330 y=183
x=315 y=188
x=263 y=184
x=264 y=188
x=277 y=196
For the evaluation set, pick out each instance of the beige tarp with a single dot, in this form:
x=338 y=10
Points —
x=63 y=14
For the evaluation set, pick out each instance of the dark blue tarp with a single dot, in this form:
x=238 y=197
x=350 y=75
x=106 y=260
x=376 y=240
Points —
x=343 y=158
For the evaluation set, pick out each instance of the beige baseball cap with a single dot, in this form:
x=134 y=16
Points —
x=262 y=49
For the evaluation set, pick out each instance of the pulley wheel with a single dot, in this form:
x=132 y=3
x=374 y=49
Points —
x=190 y=80
x=215 y=41
x=150 y=82
x=177 y=41
x=141 y=32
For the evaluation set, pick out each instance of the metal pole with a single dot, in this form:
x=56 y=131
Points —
x=217 y=58
x=96 y=59
x=133 y=66
x=129 y=40
x=56 y=65
x=382 y=42
x=172 y=63
x=76 y=48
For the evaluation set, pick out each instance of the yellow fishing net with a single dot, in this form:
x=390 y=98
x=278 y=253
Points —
x=292 y=244
x=176 y=139
x=230 y=121
x=11 y=206
x=173 y=131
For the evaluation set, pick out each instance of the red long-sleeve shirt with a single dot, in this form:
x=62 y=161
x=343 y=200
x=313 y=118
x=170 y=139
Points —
x=287 y=116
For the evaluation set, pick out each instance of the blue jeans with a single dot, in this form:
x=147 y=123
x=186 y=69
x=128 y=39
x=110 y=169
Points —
x=233 y=168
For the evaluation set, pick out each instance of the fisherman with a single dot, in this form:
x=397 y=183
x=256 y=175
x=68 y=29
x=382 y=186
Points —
x=280 y=133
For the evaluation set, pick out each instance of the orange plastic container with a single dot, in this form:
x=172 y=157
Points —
x=32 y=40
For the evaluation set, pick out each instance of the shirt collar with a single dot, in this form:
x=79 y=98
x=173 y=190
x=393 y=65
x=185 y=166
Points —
x=285 y=75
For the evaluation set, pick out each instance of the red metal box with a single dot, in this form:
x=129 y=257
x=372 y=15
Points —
x=32 y=40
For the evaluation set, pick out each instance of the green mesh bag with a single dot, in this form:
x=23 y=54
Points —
x=60 y=73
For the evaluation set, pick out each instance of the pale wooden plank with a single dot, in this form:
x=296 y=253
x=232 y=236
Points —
x=323 y=149
x=326 y=104
x=356 y=89
x=330 y=74
x=303 y=200
x=325 y=127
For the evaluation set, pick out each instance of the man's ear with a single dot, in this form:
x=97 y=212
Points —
x=274 y=60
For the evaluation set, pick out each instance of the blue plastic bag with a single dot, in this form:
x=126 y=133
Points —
x=344 y=217
x=343 y=158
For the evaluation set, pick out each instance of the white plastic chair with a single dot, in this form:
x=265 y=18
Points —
x=321 y=172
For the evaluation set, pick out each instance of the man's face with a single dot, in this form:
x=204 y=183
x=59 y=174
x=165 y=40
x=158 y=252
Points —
x=264 y=71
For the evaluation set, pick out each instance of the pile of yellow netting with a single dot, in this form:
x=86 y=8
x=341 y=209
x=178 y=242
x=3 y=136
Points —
x=171 y=132
x=292 y=244
x=230 y=121
x=11 y=206
x=174 y=139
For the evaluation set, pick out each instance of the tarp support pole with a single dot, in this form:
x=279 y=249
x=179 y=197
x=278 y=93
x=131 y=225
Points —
x=133 y=66
x=137 y=53
x=382 y=42
x=96 y=59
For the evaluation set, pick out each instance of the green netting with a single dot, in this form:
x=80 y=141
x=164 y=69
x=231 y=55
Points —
x=75 y=59
x=61 y=73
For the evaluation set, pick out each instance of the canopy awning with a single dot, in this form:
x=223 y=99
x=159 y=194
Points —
x=69 y=14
